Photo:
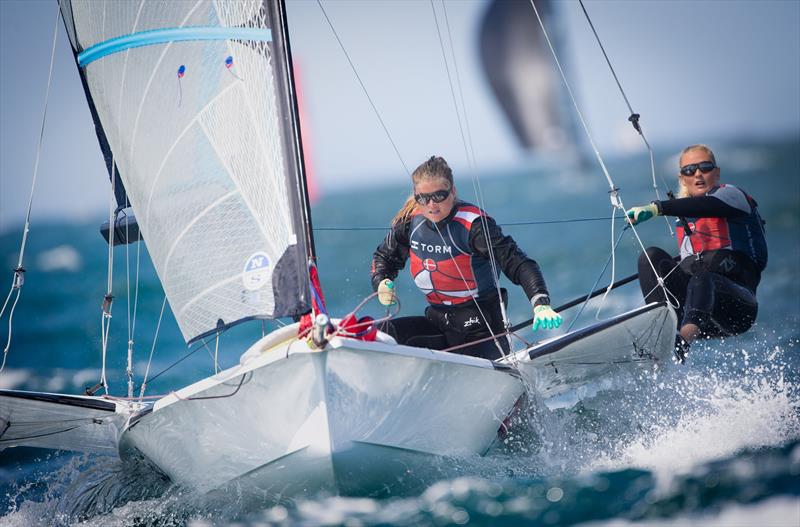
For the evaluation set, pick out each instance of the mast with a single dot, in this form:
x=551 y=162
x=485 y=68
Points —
x=280 y=9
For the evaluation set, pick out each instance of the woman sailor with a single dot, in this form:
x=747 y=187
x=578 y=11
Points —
x=723 y=251
x=451 y=244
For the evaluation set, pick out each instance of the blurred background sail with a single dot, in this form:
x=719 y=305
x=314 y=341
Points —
x=522 y=74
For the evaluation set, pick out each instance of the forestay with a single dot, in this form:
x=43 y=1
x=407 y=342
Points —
x=195 y=101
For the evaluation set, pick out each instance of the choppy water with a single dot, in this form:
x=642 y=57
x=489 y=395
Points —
x=716 y=442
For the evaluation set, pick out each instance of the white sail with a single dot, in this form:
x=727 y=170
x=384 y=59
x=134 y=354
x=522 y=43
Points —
x=194 y=99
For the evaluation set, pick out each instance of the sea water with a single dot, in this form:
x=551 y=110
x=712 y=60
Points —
x=713 y=442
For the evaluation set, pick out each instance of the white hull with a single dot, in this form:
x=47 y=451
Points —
x=63 y=422
x=637 y=339
x=356 y=417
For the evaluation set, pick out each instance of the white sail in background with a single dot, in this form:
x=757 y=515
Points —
x=193 y=98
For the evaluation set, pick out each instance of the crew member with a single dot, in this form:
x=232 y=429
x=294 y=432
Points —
x=723 y=251
x=455 y=249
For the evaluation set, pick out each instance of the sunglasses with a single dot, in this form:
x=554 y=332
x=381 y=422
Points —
x=704 y=166
x=437 y=197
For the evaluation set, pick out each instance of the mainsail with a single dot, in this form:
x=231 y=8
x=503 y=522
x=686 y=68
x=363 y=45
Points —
x=195 y=101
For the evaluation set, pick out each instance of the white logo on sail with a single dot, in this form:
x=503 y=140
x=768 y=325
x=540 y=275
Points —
x=256 y=271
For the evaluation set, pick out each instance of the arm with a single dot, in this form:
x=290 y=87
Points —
x=391 y=255
x=516 y=265
x=702 y=207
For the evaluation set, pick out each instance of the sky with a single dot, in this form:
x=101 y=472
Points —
x=695 y=70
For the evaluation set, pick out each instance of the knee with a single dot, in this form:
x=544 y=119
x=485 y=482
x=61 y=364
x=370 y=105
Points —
x=703 y=278
x=654 y=256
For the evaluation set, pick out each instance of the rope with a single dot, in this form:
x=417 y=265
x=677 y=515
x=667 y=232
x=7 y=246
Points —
x=152 y=349
x=509 y=224
x=474 y=299
x=633 y=118
x=206 y=397
x=450 y=83
x=344 y=331
x=189 y=354
x=18 y=280
x=459 y=85
x=108 y=300
x=594 y=286
x=131 y=316
x=470 y=160
x=613 y=265
x=616 y=200
x=364 y=88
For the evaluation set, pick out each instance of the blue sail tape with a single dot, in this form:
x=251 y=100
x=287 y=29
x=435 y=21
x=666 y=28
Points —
x=178 y=34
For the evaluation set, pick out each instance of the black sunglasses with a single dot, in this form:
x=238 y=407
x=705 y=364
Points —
x=436 y=197
x=704 y=166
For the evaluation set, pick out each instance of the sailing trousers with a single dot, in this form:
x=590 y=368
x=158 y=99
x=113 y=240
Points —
x=447 y=326
x=713 y=302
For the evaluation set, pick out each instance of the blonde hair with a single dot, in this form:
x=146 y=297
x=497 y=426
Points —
x=435 y=168
x=684 y=192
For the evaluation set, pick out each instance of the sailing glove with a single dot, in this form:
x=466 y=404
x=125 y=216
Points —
x=386 y=294
x=644 y=213
x=544 y=317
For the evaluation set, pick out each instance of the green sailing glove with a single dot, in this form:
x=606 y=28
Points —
x=386 y=294
x=643 y=213
x=544 y=317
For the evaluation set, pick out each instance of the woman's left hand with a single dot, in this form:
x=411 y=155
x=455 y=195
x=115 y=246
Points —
x=544 y=317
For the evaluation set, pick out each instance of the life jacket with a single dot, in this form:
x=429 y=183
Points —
x=443 y=265
x=743 y=235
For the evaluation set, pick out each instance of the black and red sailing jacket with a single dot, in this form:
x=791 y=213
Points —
x=450 y=260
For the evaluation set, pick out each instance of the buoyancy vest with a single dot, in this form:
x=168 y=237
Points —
x=733 y=247
x=744 y=235
x=443 y=265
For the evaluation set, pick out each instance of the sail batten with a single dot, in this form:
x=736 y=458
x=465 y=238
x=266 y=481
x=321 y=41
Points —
x=193 y=104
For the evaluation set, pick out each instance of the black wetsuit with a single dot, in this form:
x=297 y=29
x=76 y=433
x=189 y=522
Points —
x=721 y=262
x=450 y=264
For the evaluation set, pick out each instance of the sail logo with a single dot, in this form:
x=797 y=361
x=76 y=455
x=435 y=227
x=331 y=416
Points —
x=256 y=271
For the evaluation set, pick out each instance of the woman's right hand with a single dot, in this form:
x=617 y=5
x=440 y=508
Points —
x=545 y=317
x=386 y=294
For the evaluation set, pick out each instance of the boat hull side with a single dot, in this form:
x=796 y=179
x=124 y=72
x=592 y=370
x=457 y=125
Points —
x=641 y=338
x=350 y=420
x=200 y=442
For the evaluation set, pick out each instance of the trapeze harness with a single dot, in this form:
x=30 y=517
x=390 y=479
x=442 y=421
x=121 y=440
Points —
x=721 y=261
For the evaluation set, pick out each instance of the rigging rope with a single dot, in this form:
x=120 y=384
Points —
x=19 y=279
x=131 y=316
x=152 y=349
x=364 y=88
x=594 y=286
x=474 y=297
x=633 y=118
x=616 y=200
x=459 y=85
x=508 y=224
x=471 y=161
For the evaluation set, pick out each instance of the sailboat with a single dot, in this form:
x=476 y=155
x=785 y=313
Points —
x=213 y=170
